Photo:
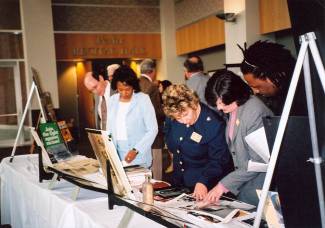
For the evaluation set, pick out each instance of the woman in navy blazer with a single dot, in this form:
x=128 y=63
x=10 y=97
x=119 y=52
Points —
x=196 y=137
x=131 y=119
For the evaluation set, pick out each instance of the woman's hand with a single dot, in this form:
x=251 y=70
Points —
x=200 y=191
x=130 y=156
x=215 y=193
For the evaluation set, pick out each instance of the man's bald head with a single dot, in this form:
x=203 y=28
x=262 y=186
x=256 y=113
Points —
x=93 y=85
x=111 y=69
x=194 y=64
x=194 y=59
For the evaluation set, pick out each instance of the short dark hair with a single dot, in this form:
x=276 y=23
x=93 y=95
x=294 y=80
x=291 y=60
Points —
x=125 y=75
x=265 y=59
x=165 y=84
x=194 y=64
x=227 y=86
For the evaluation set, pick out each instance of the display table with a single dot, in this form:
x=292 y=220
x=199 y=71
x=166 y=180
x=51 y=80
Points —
x=27 y=203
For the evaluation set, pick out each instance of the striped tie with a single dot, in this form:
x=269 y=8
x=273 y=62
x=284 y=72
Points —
x=104 y=113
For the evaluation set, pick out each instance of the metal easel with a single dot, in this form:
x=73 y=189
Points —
x=33 y=89
x=306 y=40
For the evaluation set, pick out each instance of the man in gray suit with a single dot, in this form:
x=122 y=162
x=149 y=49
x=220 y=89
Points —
x=195 y=78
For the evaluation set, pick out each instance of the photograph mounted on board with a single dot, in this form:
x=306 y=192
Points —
x=105 y=150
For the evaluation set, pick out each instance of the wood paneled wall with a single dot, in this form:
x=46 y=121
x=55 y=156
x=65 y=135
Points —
x=209 y=32
x=203 y=34
x=274 y=16
x=86 y=103
x=99 y=46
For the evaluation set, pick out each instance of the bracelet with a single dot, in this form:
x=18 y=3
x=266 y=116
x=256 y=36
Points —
x=136 y=151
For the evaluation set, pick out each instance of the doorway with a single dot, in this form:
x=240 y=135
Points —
x=11 y=107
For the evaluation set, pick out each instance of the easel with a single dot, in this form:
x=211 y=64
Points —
x=114 y=199
x=30 y=95
x=46 y=102
x=306 y=40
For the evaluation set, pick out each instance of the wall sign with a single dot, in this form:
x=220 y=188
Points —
x=97 y=46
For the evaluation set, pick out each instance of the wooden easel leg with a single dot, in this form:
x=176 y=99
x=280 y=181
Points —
x=32 y=147
x=75 y=193
x=53 y=181
x=126 y=218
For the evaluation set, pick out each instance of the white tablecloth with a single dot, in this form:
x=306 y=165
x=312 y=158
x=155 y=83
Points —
x=27 y=203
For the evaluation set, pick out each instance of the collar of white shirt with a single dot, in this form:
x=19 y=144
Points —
x=146 y=76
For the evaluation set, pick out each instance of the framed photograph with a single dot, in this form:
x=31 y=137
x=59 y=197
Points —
x=104 y=150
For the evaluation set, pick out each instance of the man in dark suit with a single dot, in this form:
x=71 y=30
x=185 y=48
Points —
x=148 y=76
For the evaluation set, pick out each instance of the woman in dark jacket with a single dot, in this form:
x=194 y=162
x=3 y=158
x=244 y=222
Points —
x=196 y=137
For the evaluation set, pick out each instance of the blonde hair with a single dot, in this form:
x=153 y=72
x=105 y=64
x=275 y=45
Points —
x=177 y=98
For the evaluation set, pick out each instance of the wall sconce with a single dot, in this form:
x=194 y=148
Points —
x=228 y=17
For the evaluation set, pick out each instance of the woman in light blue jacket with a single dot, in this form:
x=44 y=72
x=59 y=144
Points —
x=131 y=119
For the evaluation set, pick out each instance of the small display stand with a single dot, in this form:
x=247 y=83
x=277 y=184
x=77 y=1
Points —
x=114 y=199
x=119 y=189
x=48 y=172
x=55 y=175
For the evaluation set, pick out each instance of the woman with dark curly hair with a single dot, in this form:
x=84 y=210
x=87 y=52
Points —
x=195 y=135
x=233 y=96
x=131 y=119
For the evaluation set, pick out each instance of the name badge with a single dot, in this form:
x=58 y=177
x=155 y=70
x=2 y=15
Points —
x=196 y=137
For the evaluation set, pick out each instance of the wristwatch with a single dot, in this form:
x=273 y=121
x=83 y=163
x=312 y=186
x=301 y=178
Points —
x=136 y=151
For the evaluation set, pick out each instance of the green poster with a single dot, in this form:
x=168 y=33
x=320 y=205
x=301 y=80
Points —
x=50 y=133
x=53 y=142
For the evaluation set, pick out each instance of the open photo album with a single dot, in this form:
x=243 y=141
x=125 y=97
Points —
x=227 y=209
